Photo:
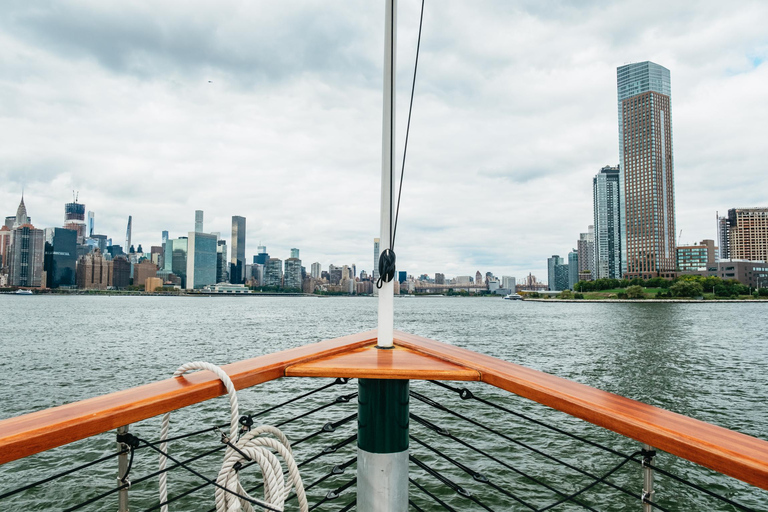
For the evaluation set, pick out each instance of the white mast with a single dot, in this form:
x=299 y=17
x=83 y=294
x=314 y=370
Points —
x=386 y=292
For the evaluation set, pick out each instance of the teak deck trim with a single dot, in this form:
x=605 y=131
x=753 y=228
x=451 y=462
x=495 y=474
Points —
x=728 y=452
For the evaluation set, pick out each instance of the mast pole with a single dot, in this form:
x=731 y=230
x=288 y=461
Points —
x=383 y=404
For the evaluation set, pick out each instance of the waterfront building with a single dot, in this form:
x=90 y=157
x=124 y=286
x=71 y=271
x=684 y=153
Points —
x=402 y=276
x=586 y=249
x=573 y=269
x=508 y=283
x=121 y=272
x=292 y=275
x=152 y=283
x=60 y=261
x=94 y=271
x=376 y=243
x=143 y=270
x=273 y=272
x=607 y=223
x=26 y=255
x=198 y=221
x=222 y=271
x=562 y=276
x=694 y=257
x=179 y=258
x=646 y=177
x=478 y=278
x=552 y=262
x=238 y=250
x=744 y=234
x=748 y=273
x=315 y=270
x=439 y=278
x=201 y=260
x=463 y=280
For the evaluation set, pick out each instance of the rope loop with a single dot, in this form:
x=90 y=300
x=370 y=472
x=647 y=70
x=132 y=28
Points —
x=245 y=447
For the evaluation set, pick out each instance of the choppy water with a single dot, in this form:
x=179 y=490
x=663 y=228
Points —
x=708 y=361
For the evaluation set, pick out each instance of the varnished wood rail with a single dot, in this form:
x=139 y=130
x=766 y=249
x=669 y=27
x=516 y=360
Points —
x=731 y=453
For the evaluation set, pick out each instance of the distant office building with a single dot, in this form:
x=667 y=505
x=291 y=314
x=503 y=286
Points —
x=91 y=223
x=335 y=274
x=316 y=269
x=262 y=256
x=198 y=221
x=156 y=255
x=607 y=223
x=694 y=257
x=294 y=253
x=508 y=283
x=222 y=271
x=748 y=273
x=121 y=272
x=573 y=269
x=402 y=276
x=5 y=242
x=142 y=271
x=115 y=250
x=94 y=272
x=562 y=276
x=273 y=272
x=647 y=170
x=201 y=260
x=26 y=255
x=376 y=252
x=238 y=250
x=553 y=262
x=74 y=219
x=178 y=253
x=439 y=278
x=60 y=262
x=478 y=277
x=744 y=234
x=586 y=250
x=292 y=276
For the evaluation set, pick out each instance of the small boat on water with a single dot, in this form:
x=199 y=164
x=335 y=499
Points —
x=513 y=296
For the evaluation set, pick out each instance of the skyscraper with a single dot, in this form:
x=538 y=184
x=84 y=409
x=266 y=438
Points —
x=375 y=259
x=744 y=234
x=294 y=253
x=607 y=218
x=646 y=177
x=74 y=219
x=315 y=272
x=238 y=249
x=586 y=249
x=60 y=258
x=292 y=275
x=222 y=272
x=201 y=260
x=198 y=221
x=128 y=234
x=573 y=268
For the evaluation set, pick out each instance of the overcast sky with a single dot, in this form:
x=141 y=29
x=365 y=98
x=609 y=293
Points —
x=272 y=111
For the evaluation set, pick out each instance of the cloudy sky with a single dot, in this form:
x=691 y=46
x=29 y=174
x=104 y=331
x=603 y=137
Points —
x=272 y=111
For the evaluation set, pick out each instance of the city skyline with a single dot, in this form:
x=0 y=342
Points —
x=508 y=129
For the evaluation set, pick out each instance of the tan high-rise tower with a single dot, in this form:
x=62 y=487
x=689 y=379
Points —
x=646 y=179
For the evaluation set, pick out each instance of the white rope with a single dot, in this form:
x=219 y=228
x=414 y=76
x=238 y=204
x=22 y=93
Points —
x=255 y=446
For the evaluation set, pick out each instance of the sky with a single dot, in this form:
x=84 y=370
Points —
x=272 y=111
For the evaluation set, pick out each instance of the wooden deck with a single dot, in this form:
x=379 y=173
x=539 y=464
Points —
x=413 y=357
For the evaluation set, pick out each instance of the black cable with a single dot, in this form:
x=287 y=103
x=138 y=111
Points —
x=436 y=405
x=447 y=481
x=332 y=495
x=474 y=474
x=408 y=127
x=425 y=491
x=62 y=474
x=474 y=448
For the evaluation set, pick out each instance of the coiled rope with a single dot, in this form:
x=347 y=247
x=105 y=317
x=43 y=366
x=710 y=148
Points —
x=253 y=446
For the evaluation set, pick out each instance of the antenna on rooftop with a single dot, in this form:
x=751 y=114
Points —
x=75 y=195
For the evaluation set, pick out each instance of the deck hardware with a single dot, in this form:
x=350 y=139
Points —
x=649 y=454
x=123 y=467
x=328 y=427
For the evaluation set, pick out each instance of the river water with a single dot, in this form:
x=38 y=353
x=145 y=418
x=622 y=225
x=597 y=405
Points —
x=708 y=361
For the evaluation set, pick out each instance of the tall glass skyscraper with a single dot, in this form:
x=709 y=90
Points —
x=646 y=177
x=238 y=250
x=607 y=219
